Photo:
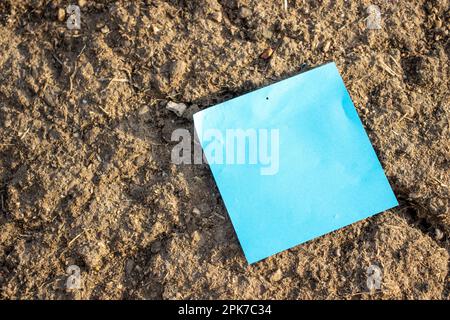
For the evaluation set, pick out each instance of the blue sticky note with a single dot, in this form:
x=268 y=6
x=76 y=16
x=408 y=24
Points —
x=292 y=162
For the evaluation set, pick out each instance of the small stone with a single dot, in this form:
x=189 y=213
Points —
x=82 y=3
x=277 y=276
x=438 y=234
x=178 y=108
x=156 y=247
x=338 y=252
x=245 y=12
x=196 y=211
x=61 y=14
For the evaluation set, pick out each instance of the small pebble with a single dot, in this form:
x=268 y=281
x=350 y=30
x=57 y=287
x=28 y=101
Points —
x=196 y=211
x=61 y=14
x=178 y=108
x=277 y=276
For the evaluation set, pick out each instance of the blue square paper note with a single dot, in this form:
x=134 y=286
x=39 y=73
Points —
x=292 y=162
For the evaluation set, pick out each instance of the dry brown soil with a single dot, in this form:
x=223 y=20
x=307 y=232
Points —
x=85 y=170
